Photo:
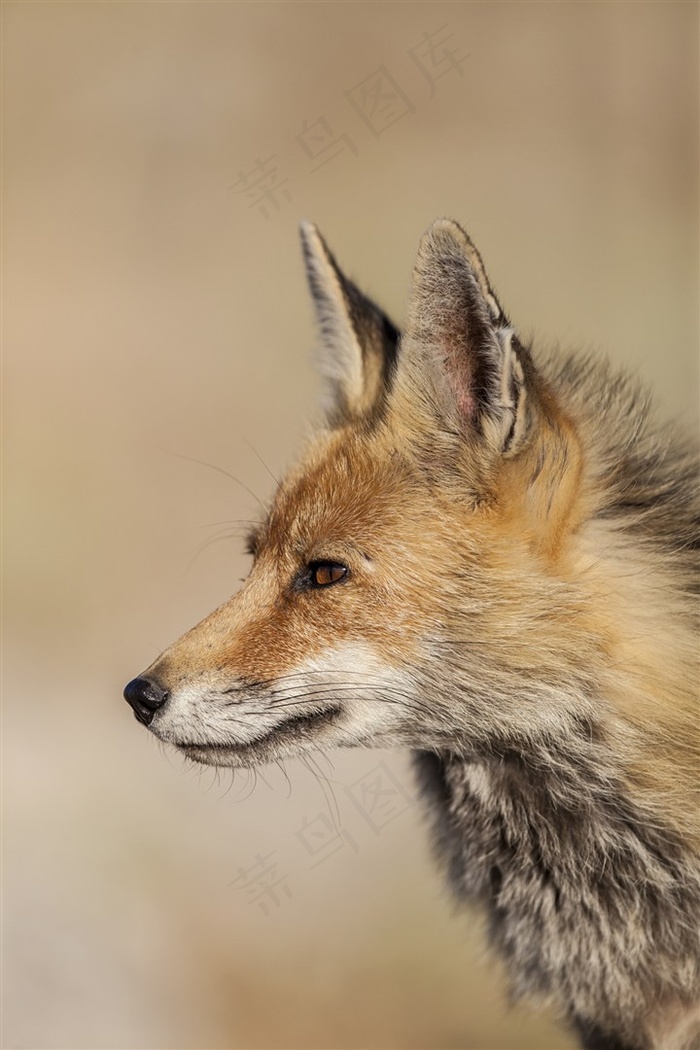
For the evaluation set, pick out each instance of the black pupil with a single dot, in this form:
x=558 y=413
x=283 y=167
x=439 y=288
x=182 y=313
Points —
x=326 y=573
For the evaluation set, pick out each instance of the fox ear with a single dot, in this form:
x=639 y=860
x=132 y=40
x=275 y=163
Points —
x=358 y=341
x=459 y=354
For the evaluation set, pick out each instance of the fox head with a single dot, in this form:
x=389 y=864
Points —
x=410 y=584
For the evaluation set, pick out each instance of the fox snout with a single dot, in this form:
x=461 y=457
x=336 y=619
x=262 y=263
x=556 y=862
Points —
x=223 y=718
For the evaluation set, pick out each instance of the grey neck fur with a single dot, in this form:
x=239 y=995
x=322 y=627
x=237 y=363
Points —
x=587 y=902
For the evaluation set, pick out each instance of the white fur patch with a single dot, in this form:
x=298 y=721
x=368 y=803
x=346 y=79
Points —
x=364 y=679
x=374 y=699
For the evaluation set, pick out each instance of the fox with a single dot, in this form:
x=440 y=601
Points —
x=487 y=555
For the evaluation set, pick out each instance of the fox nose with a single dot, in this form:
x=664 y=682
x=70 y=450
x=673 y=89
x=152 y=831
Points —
x=145 y=696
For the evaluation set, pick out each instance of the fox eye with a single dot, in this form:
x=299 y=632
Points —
x=326 y=573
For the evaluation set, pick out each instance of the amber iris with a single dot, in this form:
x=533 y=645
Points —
x=326 y=573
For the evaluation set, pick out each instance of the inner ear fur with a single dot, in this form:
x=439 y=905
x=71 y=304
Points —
x=460 y=356
x=358 y=341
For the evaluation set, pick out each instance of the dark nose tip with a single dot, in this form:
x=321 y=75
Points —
x=145 y=697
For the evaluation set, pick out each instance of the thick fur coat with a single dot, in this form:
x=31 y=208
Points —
x=488 y=556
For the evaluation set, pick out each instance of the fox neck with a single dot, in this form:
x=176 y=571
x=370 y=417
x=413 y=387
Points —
x=568 y=869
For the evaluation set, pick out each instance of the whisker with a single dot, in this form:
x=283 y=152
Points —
x=280 y=766
x=232 y=771
x=232 y=521
x=219 y=470
x=255 y=452
x=251 y=779
x=287 y=696
x=333 y=810
x=327 y=758
x=383 y=694
x=208 y=543
x=323 y=674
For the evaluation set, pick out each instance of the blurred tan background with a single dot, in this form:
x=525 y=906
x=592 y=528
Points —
x=157 y=159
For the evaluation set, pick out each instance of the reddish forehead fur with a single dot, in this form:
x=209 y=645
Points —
x=359 y=498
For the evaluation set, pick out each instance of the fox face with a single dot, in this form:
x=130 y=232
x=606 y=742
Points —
x=418 y=553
